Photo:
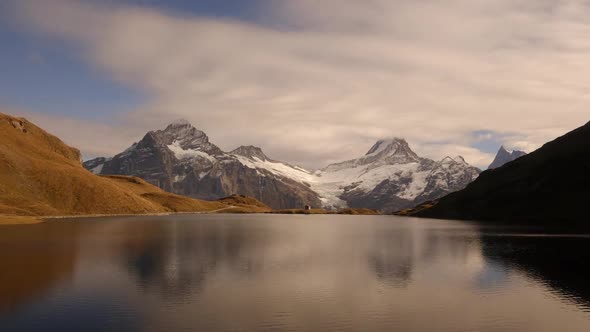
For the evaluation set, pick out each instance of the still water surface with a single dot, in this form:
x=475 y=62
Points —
x=290 y=273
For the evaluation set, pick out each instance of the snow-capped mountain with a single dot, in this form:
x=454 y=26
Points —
x=181 y=159
x=505 y=156
x=389 y=177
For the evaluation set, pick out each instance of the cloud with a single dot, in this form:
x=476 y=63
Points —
x=320 y=81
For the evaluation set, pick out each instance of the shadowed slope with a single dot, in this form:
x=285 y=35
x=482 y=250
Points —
x=549 y=185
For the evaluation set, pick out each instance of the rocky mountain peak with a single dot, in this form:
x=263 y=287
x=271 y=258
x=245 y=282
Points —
x=460 y=159
x=447 y=160
x=184 y=136
x=250 y=151
x=503 y=151
x=458 y=164
x=179 y=123
x=384 y=152
x=395 y=150
x=505 y=156
x=182 y=129
x=385 y=144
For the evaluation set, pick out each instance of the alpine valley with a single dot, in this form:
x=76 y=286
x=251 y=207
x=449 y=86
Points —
x=389 y=177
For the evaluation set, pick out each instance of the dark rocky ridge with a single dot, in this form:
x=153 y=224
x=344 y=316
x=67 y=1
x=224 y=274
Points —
x=550 y=186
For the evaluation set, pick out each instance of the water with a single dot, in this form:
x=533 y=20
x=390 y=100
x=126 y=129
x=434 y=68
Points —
x=290 y=273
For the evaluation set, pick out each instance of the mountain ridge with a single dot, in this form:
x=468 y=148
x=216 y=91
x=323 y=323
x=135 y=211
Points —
x=181 y=159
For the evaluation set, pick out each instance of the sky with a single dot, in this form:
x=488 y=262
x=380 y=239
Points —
x=310 y=82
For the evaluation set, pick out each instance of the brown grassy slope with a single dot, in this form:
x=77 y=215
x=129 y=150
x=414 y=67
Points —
x=42 y=176
x=416 y=209
x=243 y=204
x=359 y=211
x=172 y=202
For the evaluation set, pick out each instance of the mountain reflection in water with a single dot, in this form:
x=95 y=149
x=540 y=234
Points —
x=273 y=272
x=558 y=261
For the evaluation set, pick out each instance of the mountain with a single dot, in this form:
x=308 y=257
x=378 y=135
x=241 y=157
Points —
x=388 y=177
x=504 y=156
x=549 y=185
x=180 y=159
x=42 y=176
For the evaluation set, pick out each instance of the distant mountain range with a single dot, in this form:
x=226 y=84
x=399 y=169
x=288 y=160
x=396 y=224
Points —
x=505 y=156
x=549 y=185
x=389 y=177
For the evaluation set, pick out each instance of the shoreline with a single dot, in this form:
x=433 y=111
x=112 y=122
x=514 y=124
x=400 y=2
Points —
x=6 y=220
x=31 y=220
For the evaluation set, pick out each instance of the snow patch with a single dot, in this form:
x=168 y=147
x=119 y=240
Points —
x=182 y=154
x=276 y=168
x=97 y=169
x=179 y=178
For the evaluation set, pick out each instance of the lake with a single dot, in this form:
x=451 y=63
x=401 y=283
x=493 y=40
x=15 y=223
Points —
x=290 y=273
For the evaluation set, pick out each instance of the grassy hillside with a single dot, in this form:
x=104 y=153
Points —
x=42 y=176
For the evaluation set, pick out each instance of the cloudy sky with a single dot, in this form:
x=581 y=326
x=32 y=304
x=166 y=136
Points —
x=309 y=81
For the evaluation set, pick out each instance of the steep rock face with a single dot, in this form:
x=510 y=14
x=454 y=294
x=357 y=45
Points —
x=504 y=156
x=388 y=177
x=180 y=159
x=549 y=185
x=250 y=152
x=231 y=175
x=148 y=159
